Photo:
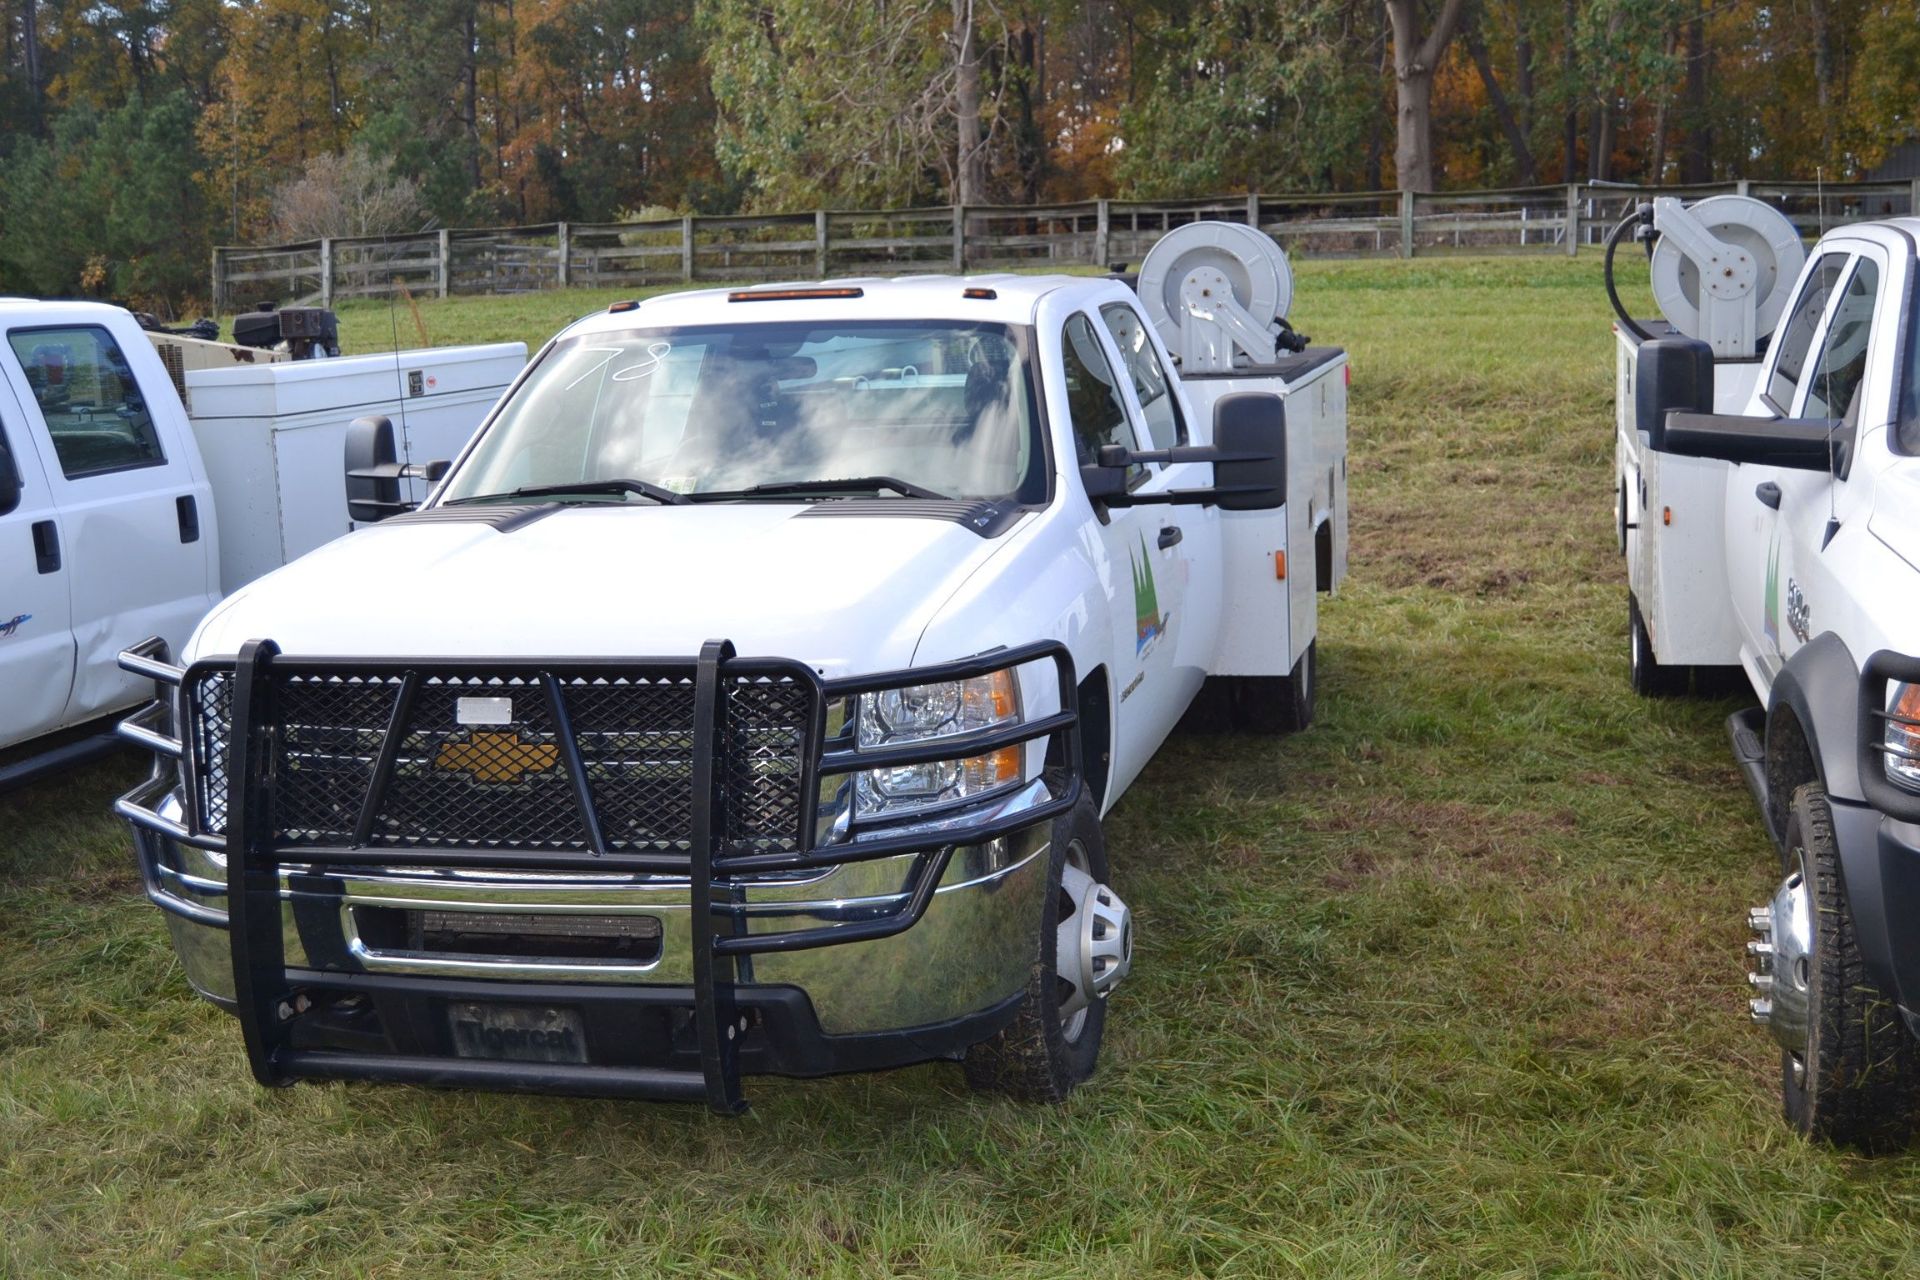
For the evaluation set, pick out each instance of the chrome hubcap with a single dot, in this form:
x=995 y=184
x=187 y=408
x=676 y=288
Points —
x=1782 y=951
x=1093 y=944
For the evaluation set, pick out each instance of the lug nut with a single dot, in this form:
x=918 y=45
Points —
x=1762 y=953
x=1760 y=1010
x=1763 y=983
x=1760 y=919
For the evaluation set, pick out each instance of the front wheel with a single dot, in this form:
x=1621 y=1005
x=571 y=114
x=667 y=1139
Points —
x=1849 y=1069
x=1083 y=949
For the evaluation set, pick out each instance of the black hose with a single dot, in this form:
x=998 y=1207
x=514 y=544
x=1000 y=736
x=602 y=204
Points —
x=1633 y=327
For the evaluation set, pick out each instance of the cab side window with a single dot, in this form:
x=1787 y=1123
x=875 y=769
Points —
x=1094 y=403
x=92 y=404
x=1165 y=425
x=1834 y=382
x=1795 y=337
x=9 y=477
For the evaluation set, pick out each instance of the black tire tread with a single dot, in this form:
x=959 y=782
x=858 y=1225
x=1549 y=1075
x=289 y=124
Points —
x=1653 y=679
x=1863 y=1067
x=1030 y=1059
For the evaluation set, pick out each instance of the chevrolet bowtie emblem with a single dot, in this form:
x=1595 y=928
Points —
x=496 y=757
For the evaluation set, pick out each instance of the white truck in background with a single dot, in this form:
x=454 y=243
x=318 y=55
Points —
x=766 y=667
x=122 y=515
x=1769 y=492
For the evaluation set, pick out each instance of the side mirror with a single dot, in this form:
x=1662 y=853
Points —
x=1802 y=444
x=1248 y=453
x=1107 y=482
x=374 y=471
x=1250 y=434
x=1669 y=374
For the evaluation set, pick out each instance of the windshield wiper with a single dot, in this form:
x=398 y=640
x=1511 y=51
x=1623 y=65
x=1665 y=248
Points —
x=853 y=484
x=645 y=488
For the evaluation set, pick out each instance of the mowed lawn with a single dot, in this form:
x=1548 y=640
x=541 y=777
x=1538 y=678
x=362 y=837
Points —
x=1450 y=985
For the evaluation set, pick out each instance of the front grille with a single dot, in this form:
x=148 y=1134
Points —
x=506 y=785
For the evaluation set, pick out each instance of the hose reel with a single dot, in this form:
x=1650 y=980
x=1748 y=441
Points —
x=1721 y=268
x=1218 y=293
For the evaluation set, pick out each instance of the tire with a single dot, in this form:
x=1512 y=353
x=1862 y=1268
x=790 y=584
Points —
x=1041 y=1056
x=1860 y=1076
x=1649 y=676
x=1278 y=704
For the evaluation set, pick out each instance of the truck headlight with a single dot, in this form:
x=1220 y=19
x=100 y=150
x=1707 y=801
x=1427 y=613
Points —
x=1903 y=737
x=917 y=713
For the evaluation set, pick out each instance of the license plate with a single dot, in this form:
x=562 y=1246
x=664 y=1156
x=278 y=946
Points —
x=517 y=1032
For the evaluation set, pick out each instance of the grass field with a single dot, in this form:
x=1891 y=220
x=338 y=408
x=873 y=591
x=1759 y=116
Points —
x=1448 y=986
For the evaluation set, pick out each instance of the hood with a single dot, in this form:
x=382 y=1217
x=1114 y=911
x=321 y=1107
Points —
x=849 y=592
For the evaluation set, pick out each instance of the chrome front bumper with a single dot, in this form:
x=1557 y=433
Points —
x=970 y=950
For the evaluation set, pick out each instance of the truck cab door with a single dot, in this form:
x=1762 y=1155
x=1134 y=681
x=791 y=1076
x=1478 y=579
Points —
x=36 y=619
x=1162 y=420
x=1135 y=559
x=1757 y=494
x=136 y=520
x=1833 y=387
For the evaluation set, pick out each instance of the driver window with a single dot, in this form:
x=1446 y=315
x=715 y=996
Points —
x=1838 y=369
x=91 y=402
x=1094 y=403
x=1795 y=337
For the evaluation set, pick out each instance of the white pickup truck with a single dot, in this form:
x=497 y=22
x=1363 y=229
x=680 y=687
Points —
x=1781 y=537
x=747 y=697
x=123 y=516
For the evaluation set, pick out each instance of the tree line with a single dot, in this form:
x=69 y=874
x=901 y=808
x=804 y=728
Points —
x=135 y=135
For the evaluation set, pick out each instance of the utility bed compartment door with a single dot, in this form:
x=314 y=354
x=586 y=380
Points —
x=1679 y=567
x=1269 y=620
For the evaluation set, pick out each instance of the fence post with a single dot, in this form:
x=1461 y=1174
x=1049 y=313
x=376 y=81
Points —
x=1406 y=224
x=561 y=272
x=1573 y=218
x=1913 y=200
x=1102 y=234
x=1253 y=209
x=326 y=272
x=443 y=263
x=686 y=247
x=960 y=238
x=219 y=279
x=820 y=242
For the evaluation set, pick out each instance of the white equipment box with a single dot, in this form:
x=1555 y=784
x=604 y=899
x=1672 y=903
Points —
x=272 y=437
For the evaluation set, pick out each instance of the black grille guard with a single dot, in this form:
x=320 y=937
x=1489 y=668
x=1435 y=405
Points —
x=266 y=989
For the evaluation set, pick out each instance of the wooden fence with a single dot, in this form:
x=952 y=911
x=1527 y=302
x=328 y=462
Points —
x=1557 y=219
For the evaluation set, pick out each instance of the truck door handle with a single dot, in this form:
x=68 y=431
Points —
x=46 y=546
x=1768 y=492
x=1170 y=536
x=189 y=516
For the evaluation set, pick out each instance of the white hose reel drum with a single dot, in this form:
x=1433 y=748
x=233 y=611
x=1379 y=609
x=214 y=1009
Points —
x=1722 y=268
x=1214 y=290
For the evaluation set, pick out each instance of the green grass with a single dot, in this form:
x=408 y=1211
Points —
x=1448 y=986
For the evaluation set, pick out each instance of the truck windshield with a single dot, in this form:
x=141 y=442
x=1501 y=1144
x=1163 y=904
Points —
x=941 y=407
